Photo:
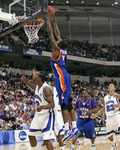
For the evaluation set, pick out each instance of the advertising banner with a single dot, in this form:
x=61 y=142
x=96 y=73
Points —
x=6 y=48
x=22 y=136
x=32 y=52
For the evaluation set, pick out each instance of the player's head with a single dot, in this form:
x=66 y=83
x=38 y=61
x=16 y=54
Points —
x=39 y=77
x=63 y=44
x=85 y=94
x=111 y=87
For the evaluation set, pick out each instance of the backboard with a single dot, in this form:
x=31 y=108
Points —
x=32 y=10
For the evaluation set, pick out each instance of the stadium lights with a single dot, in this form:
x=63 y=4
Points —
x=82 y=2
x=116 y=3
x=97 y=3
x=51 y=1
x=67 y=2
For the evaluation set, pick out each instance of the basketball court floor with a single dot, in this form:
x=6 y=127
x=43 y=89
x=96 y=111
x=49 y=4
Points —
x=101 y=144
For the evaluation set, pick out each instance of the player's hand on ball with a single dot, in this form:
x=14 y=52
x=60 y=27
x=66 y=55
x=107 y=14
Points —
x=39 y=108
x=23 y=78
x=93 y=116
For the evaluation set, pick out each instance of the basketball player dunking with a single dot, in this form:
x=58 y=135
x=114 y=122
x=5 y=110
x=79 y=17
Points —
x=63 y=80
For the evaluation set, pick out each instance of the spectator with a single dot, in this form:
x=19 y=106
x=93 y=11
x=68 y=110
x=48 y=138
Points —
x=6 y=126
x=19 y=118
x=24 y=125
x=7 y=118
x=1 y=124
x=13 y=119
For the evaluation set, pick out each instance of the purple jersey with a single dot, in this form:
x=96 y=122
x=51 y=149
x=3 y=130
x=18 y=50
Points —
x=84 y=105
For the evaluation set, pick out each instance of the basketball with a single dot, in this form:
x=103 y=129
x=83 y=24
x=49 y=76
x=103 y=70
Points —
x=51 y=11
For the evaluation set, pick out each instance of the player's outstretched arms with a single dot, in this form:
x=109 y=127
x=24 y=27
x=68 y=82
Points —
x=93 y=116
x=55 y=51
x=98 y=113
x=56 y=29
x=24 y=80
x=94 y=110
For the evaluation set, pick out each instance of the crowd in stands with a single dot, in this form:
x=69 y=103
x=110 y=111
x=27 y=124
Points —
x=17 y=106
x=76 y=48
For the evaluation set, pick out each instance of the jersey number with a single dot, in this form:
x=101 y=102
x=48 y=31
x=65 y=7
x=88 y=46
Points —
x=63 y=56
x=110 y=107
x=38 y=99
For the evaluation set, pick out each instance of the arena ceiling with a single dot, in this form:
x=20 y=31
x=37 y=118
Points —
x=105 y=3
x=33 y=5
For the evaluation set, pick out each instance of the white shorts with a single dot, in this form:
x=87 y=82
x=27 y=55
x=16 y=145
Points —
x=112 y=124
x=42 y=125
x=59 y=124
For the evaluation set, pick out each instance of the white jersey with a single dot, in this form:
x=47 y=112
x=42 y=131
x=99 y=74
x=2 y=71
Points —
x=56 y=99
x=59 y=123
x=109 y=105
x=40 y=98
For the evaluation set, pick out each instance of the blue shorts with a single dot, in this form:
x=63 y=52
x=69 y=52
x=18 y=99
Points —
x=87 y=126
x=64 y=94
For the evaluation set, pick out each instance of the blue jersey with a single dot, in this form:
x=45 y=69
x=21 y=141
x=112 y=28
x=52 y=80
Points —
x=84 y=122
x=84 y=105
x=59 y=65
x=63 y=80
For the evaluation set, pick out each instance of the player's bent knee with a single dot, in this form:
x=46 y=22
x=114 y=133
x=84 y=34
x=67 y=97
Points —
x=70 y=107
x=64 y=107
x=33 y=141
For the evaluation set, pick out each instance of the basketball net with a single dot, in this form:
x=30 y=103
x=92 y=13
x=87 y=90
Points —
x=32 y=29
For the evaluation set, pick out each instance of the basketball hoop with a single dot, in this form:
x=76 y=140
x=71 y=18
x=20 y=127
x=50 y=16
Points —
x=32 y=29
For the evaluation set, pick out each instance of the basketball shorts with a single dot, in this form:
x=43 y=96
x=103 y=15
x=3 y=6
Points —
x=59 y=124
x=63 y=88
x=87 y=126
x=112 y=124
x=42 y=125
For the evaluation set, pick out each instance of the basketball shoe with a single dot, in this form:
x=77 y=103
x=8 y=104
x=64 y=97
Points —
x=93 y=147
x=76 y=133
x=68 y=135
x=113 y=147
x=80 y=143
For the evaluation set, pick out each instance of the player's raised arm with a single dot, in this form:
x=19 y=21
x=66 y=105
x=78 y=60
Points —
x=55 y=50
x=49 y=96
x=56 y=29
x=98 y=113
x=32 y=86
